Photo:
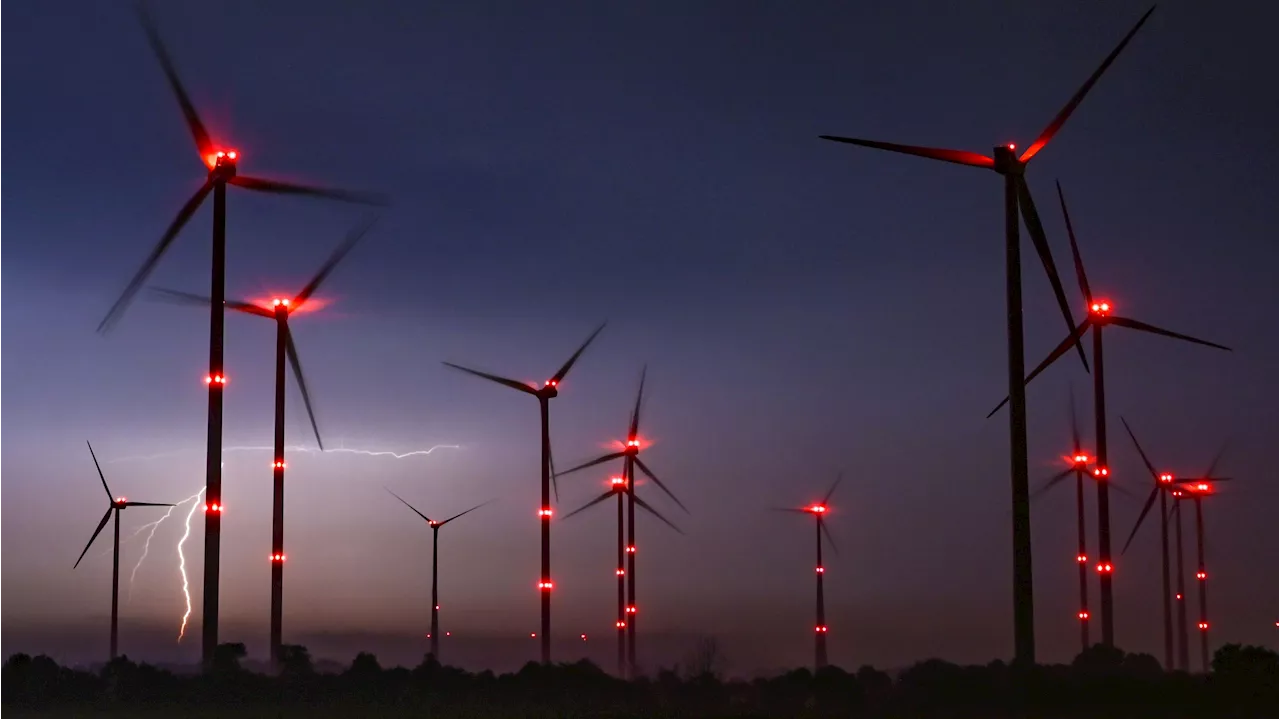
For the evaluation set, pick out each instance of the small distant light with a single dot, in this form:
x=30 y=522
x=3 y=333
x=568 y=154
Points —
x=544 y=512
x=1084 y=616
x=533 y=635
x=1081 y=558
x=1104 y=567
x=1204 y=626
x=631 y=610
x=631 y=549
x=620 y=572
x=584 y=637
x=1178 y=597
x=1201 y=576
x=448 y=634
x=545 y=586
x=623 y=625
x=232 y=154
x=821 y=570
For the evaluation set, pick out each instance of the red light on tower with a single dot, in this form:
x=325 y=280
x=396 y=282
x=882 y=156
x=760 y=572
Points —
x=1080 y=459
x=817 y=509
x=820 y=570
x=1201 y=576
x=544 y=512
x=631 y=549
x=279 y=464
x=1011 y=146
x=1081 y=558
x=1104 y=567
x=620 y=572
x=1204 y=626
x=552 y=383
x=545 y=586
x=616 y=481
x=1178 y=597
x=1202 y=487
x=1100 y=308
x=1083 y=616
x=821 y=629
x=533 y=635
x=1100 y=471
x=620 y=625
x=1166 y=478
x=232 y=155
x=631 y=610
x=448 y=634
x=584 y=637
x=215 y=507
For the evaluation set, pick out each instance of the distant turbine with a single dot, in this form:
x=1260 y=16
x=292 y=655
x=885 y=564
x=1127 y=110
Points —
x=630 y=455
x=1017 y=197
x=1078 y=461
x=1099 y=316
x=819 y=511
x=279 y=312
x=221 y=163
x=544 y=394
x=435 y=559
x=619 y=488
x=118 y=505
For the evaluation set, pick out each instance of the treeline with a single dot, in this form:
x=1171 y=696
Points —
x=1098 y=683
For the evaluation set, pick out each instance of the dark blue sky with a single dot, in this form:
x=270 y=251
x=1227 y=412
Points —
x=803 y=307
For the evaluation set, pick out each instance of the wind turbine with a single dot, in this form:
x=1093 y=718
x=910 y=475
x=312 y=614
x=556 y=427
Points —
x=1180 y=487
x=1099 y=316
x=1017 y=197
x=819 y=511
x=118 y=505
x=1077 y=465
x=630 y=454
x=221 y=162
x=435 y=559
x=618 y=487
x=544 y=395
x=279 y=311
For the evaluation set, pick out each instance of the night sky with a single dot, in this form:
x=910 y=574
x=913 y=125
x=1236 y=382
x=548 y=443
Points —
x=803 y=308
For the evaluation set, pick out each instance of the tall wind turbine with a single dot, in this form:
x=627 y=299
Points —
x=118 y=505
x=1017 y=197
x=630 y=454
x=435 y=561
x=618 y=488
x=221 y=162
x=1099 y=316
x=544 y=394
x=279 y=311
x=819 y=511
x=1077 y=466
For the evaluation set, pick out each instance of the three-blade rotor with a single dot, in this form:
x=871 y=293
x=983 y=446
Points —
x=428 y=520
x=221 y=170
x=117 y=504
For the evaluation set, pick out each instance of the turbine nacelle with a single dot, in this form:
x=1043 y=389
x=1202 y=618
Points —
x=120 y=503
x=816 y=509
x=280 y=304
x=1102 y=308
x=632 y=446
x=617 y=482
x=1006 y=160
x=549 y=389
x=222 y=164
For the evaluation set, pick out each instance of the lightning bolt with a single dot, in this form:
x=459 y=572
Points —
x=194 y=499
x=299 y=448
x=146 y=546
x=182 y=566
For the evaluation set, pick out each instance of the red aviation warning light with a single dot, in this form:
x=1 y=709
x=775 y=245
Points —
x=545 y=586
x=1204 y=626
x=1100 y=471
x=277 y=557
x=1081 y=558
x=620 y=625
x=215 y=379
x=818 y=509
x=279 y=464
x=1080 y=459
x=280 y=303
x=1201 y=576
x=1100 y=308
x=821 y=629
x=215 y=507
x=551 y=383
x=1083 y=616
x=617 y=481
x=584 y=637
x=631 y=549
x=1104 y=567
x=820 y=570
x=631 y=609
x=619 y=572
x=545 y=513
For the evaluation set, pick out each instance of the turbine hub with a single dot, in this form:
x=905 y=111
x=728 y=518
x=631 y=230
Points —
x=1006 y=160
x=222 y=165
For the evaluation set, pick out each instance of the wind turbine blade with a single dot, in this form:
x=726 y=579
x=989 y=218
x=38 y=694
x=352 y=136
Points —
x=551 y=467
x=658 y=482
x=1058 y=351
x=1032 y=219
x=1075 y=423
x=827 y=533
x=789 y=509
x=187 y=298
x=1055 y=479
x=494 y=378
x=839 y=479
x=1217 y=457
x=147 y=504
x=564 y=370
x=459 y=514
x=1121 y=488
x=203 y=144
x=1193 y=480
x=1081 y=277
x=645 y=506
x=635 y=413
x=259 y=184
x=105 y=518
x=1065 y=112
x=960 y=157
x=292 y=352
x=110 y=497
x=592 y=503
x=599 y=460
x=1144 y=327
x=410 y=506
x=1146 y=508
x=1150 y=468
x=350 y=241
x=184 y=214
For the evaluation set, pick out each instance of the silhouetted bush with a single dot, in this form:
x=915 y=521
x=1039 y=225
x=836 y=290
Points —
x=1099 y=683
